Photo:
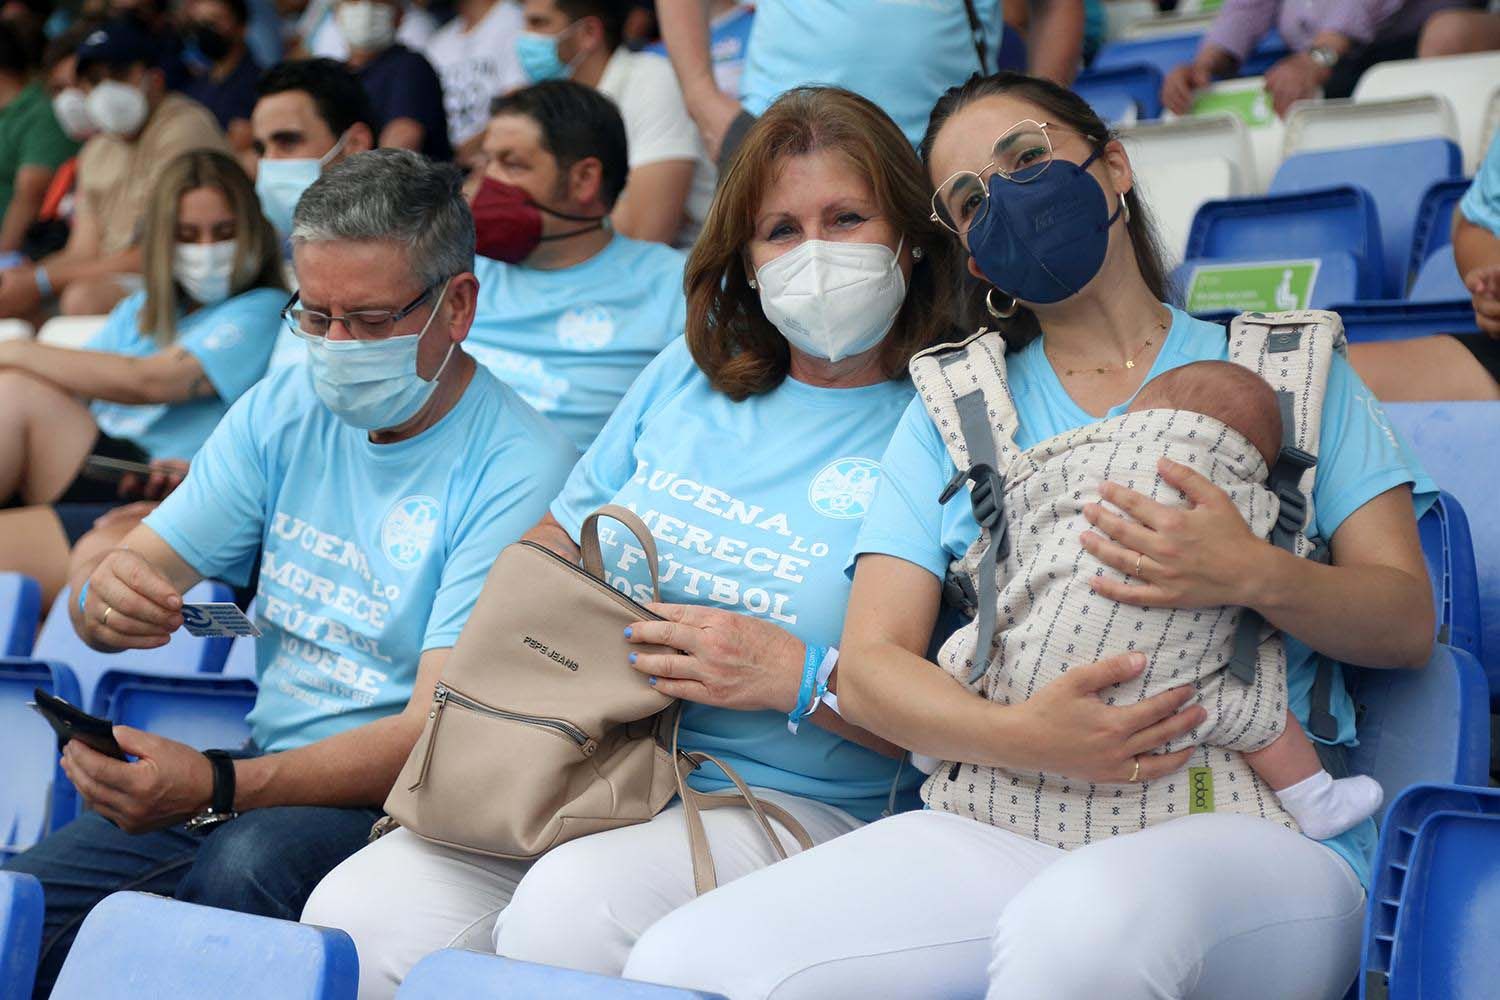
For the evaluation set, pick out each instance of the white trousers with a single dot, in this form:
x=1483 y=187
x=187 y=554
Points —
x=581 y=906
x=930 y=904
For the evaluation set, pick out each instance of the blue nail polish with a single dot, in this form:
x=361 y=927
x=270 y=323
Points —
x=632 y=657
x=627 y=631
x=652 y=681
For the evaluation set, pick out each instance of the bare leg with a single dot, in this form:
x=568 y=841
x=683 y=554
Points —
x=1451 y=32
x=1422 y=369
x=32 y=542
x=1323 y=807
x=1288 y=760
x=91 y=298
x=45 y=434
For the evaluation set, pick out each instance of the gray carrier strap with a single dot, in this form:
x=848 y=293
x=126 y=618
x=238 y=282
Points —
x=988 y=499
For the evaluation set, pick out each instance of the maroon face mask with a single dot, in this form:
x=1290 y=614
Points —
x=508 y=222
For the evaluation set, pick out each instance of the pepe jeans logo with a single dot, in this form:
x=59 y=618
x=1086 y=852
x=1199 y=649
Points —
x=407 y=532
x=552 y=654
x=844 y=488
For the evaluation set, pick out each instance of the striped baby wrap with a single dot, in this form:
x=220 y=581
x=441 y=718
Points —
x=1045 y=619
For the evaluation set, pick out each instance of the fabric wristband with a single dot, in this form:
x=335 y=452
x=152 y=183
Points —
x=810 y=664
x=823 y=696
x=83 y=596
x=43 y=282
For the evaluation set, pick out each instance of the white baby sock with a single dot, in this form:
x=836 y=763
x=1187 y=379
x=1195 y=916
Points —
x=1326 y=808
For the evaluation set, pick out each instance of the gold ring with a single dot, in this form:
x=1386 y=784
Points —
x=1135 y=772
x=1138 y=558
x=105 y=620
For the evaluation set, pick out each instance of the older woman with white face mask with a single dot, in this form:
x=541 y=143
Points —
x=751 y=450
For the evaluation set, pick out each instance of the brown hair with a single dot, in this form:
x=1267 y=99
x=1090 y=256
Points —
x=734 y=344
x=257 y=259
x=1067 y=108
x=1232 y=394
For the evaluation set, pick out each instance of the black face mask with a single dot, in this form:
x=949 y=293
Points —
x=209 y=41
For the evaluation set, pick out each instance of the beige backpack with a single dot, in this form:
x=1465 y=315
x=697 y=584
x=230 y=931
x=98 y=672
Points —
x=540 y=731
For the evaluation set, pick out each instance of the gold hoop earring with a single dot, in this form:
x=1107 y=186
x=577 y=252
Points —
x=989 y=305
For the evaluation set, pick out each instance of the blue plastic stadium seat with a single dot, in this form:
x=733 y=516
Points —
x=1287 y=226
x=1438 y=280
x=1449 y=551
x=1431 y=724
x=1140 y=83
x=1434 y=229
x=1338 y=278
x=1397 y=319
x=1456 y=444
x=1434 y=914
x=203 y=711
x=184 y=654
x=20 y=610
x=35 y=796
x=1397 y=175
x=453 y=973
x=135 y=946
x=20 y=932
x=1166 y=52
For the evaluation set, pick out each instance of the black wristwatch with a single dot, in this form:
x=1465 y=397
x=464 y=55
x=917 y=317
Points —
x=221 y=803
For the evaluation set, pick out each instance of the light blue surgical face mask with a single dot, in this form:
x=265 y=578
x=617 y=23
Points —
x=373 y=384
x=280 y=183
x=538 y=56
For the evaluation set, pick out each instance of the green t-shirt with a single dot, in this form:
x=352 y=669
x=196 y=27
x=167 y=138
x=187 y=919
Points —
x=29 y=137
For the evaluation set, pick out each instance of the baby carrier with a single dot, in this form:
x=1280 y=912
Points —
x=965 y=390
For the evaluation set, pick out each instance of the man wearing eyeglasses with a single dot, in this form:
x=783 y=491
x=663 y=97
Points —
x=379 y=480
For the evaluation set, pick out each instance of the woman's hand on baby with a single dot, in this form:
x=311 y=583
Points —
x=1070 y=730
x=1203 y=556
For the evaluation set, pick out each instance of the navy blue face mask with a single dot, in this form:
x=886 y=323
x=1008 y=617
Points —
x=1042 y=241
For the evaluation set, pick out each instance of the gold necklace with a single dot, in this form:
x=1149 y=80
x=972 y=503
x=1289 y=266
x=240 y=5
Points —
x=1129 y=362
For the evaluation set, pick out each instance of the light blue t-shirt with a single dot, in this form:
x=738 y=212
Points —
x=571 y=340
x=371 y=554
x=728 y=39
x=754 y=506
x=1359 y=458
x=1481 y=203
x=232 y=341
x=900 y=54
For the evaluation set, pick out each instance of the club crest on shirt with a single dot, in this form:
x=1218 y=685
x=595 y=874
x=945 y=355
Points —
x=223 y=336
x=407 y=532
x=845 y=487
x=586 y=328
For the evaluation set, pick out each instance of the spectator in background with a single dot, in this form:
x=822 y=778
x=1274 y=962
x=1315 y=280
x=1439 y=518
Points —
x=728 y=37
x=1452 y=32
x=224 y=79
x=155 y=381
x=155 y=18
x=1460 y=366
x=898 y=54
x=141 y=129
x=1333 y=42
x=311 y=113
x=409 y=466
x=32 y=145
x=671 y=182
x=323 y=40
x=403 y=89
x=1055 y=35
x=569 y=312
x=475 y=57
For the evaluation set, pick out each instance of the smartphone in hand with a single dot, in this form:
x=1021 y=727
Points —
x=70 y=722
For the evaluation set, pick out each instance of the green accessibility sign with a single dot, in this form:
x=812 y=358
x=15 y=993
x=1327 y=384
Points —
x=1267 y=286
x=1252 y=106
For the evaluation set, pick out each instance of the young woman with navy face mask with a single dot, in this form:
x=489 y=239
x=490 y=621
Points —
x=1221 y=905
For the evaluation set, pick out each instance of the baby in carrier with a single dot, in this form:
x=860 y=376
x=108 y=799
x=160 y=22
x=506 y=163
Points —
x=1222 y=420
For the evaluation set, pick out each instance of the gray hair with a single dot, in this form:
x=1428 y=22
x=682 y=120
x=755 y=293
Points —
x=397 y=196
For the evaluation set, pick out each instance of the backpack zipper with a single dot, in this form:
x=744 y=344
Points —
x=645 y=613
x=443 y=694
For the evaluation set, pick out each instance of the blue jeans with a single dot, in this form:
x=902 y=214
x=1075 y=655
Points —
x=265 y=862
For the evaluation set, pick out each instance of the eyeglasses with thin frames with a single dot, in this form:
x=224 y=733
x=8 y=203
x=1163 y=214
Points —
x=364 y=324
x=1021 y=154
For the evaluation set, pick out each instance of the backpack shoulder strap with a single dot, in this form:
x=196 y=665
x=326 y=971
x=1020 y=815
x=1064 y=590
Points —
x=967 y=394
x=1293 y=351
